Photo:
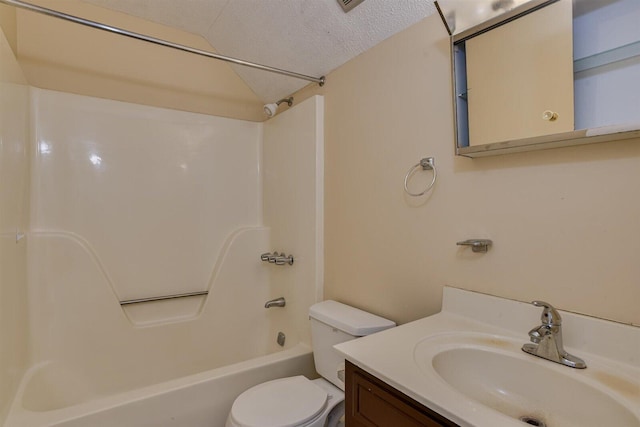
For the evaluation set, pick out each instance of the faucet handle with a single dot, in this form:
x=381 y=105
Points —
x=550 y=315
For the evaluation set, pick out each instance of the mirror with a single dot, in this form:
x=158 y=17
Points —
x=545 y=74
x=461 y=15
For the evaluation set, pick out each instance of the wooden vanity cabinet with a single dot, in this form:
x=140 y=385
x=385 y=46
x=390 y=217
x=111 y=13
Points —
x=372 y=403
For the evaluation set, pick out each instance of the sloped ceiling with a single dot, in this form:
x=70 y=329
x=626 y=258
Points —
x=311 y=37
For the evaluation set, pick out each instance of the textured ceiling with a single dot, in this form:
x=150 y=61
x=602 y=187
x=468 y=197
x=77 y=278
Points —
x=311 y=37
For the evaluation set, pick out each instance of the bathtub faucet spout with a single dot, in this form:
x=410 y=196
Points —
x=278 y=302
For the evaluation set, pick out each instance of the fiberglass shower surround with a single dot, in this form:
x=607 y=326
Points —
x=130 y=202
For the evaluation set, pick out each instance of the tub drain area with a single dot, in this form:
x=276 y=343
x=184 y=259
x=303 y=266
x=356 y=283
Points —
x=533 y=421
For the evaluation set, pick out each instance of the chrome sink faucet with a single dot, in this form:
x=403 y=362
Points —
x=547 y=339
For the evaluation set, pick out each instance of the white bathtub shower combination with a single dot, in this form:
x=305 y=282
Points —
x=130 y=202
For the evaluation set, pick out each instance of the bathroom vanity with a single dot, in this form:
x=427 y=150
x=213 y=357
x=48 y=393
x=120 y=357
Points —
x=372 y=402
x=465 y=367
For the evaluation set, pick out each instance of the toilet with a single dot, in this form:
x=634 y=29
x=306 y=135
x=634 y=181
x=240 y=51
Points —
x=301 y=402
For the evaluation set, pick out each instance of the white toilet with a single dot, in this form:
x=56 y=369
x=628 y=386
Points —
x=298 y=401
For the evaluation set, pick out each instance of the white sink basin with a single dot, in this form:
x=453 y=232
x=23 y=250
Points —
x=466 y=364
x=494 y=372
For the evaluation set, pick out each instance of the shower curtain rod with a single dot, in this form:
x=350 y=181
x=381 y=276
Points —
x=122 y=32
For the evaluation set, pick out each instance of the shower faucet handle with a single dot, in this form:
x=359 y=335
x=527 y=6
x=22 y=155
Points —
x=269 y=257
x=283 y=259
x=276 y=258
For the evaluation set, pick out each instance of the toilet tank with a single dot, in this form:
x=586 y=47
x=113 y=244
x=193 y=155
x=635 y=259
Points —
x=332 y=323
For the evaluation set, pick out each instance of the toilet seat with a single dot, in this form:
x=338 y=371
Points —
x=285 y=402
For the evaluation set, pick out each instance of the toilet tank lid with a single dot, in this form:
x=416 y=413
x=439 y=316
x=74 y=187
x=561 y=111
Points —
x=349 y=319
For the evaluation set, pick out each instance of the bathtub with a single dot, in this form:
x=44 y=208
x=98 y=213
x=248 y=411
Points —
x=199 y=400
x=179 y=362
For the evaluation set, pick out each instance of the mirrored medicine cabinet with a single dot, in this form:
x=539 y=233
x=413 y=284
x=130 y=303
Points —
x=542 y=74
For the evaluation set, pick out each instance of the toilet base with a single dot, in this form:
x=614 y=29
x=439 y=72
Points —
x=335 y=405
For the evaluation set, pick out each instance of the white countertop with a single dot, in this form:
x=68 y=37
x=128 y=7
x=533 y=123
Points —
x=391 y=355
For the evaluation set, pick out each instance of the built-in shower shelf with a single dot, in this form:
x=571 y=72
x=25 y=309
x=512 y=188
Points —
x=607 y=57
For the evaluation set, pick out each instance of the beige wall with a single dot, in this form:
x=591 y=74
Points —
x=8 y=22
x=565 y=222
x=68 y=57
x=14 y=116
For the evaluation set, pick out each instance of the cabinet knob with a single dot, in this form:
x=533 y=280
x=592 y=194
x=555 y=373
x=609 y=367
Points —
x=549 y=115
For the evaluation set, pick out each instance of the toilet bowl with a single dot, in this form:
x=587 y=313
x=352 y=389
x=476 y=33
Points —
x=288 y=402
x=301 y=402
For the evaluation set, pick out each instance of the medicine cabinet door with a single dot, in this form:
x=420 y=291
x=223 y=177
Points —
x=520 y=77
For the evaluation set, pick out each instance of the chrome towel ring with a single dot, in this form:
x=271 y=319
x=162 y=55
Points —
x=428 y=163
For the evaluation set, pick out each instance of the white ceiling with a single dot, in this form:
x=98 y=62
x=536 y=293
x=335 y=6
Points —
x=311 y=37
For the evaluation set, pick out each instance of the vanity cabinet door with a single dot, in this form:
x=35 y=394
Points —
x=372 y=403
x=518 y=71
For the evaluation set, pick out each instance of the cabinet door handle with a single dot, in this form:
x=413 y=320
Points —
x=550 y=116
